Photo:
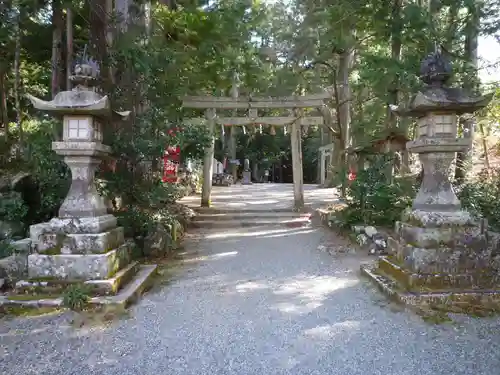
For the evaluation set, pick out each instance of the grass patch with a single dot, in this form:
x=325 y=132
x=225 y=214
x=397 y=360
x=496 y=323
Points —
x=22 y=311
x=32 y=297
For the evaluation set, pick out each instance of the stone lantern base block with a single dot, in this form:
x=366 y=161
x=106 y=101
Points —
x=484 y=278
x=448 y=250
x=438 y=219
x=460 y=299
x=74 y=226
x=93 y=243
x=438 y=257
x=79 y=266
x=117 y=292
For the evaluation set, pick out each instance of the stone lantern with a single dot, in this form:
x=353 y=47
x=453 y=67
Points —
x=436 y=109
x=439 y=247
x=83 y=111
x=83 y=243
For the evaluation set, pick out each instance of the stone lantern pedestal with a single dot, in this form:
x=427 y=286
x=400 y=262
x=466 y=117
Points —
x=83 y=244
x=440 y=254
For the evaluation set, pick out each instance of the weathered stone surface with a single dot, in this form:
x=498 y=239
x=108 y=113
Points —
x=450 y=296
x=436 y=192
x=93 y=243
x=433 y=219
x=393 y=246
x=83 y=199
x=158 y=241
x=60 y=243
x=438 y=237
x=444 y=259
x=112 y=285
x=13 y=267
x=74 y=226
x=79 y=266
x=51 y=243
x=100 y=287
x=414 y=281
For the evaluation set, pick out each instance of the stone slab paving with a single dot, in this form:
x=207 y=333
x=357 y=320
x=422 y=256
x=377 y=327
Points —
x=263 y=302
x=262 y=197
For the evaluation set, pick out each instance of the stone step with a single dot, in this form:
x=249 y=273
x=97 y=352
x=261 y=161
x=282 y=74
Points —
x=131 y=291
x=257 y=210
x=250 y=215
x=251 y=222
x=103 y=287
x=141 y=281
x=114 y=284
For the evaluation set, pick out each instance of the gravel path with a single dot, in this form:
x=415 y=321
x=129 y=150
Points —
x=268 y=303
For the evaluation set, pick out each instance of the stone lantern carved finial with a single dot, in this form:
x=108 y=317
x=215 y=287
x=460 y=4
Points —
x=85 y=73
x=436 y=69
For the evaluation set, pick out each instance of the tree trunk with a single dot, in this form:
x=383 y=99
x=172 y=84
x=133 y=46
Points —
x=17 y=81
x=471 y=83
x=58 y=25
x=69 y=47
x=121 y=10
x=484 y=143
x=337 y=157
x=392 y=120
x=4 y=117
x=345 y=65
x=98 y=40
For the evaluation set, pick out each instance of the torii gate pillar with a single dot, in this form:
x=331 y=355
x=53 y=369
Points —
x=298 y=174
x=208 y=159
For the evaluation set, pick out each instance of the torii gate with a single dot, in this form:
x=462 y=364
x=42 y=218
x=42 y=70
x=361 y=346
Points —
x=253 y=104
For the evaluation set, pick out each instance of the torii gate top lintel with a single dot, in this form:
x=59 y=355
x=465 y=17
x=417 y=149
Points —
x=250 y=102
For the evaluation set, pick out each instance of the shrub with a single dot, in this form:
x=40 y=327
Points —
x=6 y=249
x=481 y=198
x=371 y=200
x=76 y=297
x=12 y=207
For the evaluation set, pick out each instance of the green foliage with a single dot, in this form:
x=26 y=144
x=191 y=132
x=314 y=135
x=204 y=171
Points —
x=139 y=222
x=6 y=249
x=481 y=198
x=264 y=148
x=12 y=207
x=76 y=297
x=372 y=201
x=48 y=169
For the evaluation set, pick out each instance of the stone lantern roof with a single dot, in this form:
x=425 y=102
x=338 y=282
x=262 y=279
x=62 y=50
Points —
x=82 y=99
